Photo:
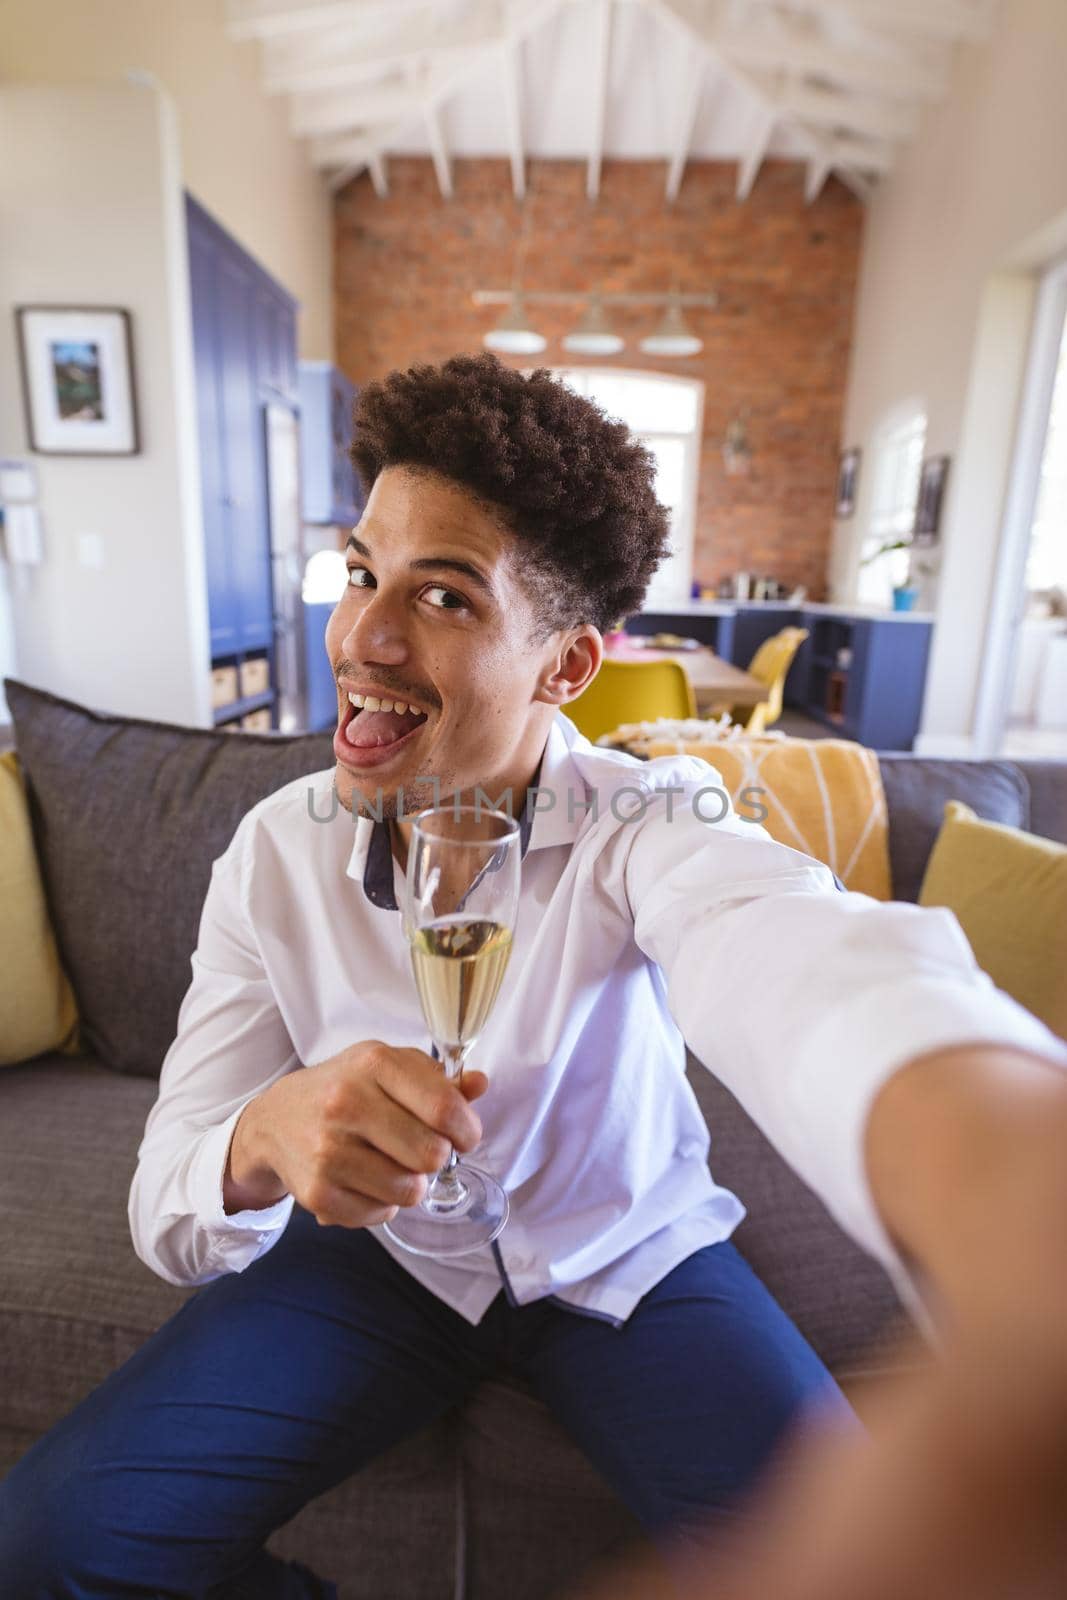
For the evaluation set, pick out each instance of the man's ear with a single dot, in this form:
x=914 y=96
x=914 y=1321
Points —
x=572 y=667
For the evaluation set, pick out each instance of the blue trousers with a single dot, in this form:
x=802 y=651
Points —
x=271 y=1385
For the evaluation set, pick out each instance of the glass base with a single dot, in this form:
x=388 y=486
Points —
x=474 y=1220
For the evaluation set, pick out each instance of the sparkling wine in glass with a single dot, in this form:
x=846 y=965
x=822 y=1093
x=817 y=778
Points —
x=461 y=899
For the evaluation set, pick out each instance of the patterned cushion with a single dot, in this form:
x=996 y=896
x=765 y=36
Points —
x=128 y=817
x=821 y=796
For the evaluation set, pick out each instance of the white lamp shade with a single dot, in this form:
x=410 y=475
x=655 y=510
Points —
x=673 y=337
x=594 y=335
x=513 y=335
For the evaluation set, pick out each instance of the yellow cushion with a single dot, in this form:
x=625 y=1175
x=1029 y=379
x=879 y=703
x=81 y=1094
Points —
x=37 y=1010
x=822 y=796
x=1009 y=891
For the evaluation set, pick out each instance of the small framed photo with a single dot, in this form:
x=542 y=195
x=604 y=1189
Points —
x=77 y=380
x=848 y=472
x=932 y=482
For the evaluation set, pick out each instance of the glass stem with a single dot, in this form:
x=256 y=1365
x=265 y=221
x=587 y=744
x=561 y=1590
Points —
x=447 y=1189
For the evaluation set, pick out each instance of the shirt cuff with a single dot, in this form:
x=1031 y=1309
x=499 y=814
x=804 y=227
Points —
x=206 y=1176
x=927 y=1014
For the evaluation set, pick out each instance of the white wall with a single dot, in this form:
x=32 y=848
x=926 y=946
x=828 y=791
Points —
x=953 y=244
x=238 y=157
x=91 y=213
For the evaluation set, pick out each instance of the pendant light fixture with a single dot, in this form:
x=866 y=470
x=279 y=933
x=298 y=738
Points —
x=673 y=337
x=513 y=335
x=594 y=335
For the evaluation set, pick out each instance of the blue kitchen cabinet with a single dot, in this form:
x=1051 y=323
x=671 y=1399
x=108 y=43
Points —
x=754 y=626
x=244 y=500
x=865 y=676
x=244 y=347
x=330 y=488
x=222 y=606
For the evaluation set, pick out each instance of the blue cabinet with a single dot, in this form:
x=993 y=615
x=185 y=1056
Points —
x=863 y=676
x=330 y=487
x=244 y=343
x=221 y=601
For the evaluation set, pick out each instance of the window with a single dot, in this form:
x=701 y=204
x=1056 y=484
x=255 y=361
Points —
x=1046 y=563
x=897 y=468
x=665 y=414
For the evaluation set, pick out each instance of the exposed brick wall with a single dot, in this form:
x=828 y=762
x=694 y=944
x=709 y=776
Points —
x=776 y=345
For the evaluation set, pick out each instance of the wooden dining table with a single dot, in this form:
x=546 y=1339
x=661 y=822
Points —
x=715 y=682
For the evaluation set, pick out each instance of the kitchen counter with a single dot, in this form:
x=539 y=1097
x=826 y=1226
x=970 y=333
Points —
x=730 y=608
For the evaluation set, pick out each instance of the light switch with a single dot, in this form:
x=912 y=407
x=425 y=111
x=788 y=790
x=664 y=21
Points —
x=90 y=550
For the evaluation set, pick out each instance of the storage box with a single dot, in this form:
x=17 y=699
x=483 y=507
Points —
x=255 y=676
x=257 y=721
x=223 y=686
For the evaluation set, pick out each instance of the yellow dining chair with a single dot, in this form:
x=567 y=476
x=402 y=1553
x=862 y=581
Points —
x=631 y=691
x=770 y=665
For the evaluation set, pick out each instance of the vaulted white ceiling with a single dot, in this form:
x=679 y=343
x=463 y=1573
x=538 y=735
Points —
x=837 y=84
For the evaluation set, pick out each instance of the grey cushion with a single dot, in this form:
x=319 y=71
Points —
x=916 y=790
x=128 y=817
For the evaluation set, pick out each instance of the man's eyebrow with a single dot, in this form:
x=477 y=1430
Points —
x=434 y=563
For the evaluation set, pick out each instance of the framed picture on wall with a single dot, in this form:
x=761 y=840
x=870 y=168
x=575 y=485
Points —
x=77 y=380
x=848 y=472
x=932 y=482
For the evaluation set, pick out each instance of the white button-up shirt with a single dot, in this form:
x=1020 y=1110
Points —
x=644 y=924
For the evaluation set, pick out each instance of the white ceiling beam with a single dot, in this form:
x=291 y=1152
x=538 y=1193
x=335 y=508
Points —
x=379 y=177
x=348 y=156
x=599 y=94
x=865 y=155
x=442 y=163
x=275 y=19
x=688 y=101
x=511 y=79
x=867 y=70
x=353 y=151
x=679 y=14
x=364 y=155
x=314 y=116
x=818 y=170
x=828 y=108
x=314 y=63
x=771 y=44
x=748 y=168
x=926 y=19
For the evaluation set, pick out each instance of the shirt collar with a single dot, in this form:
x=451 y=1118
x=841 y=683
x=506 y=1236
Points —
x=543 y=821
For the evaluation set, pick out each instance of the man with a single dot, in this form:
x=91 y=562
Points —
x=508 y=524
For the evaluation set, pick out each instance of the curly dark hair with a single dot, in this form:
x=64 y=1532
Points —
x=574 y=487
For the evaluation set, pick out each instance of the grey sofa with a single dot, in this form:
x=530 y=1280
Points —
x=128 y=816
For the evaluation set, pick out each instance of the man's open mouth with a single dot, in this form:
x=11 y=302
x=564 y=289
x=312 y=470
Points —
x=371 y=724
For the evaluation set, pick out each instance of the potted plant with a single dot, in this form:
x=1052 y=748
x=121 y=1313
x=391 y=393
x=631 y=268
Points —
x=906 y=594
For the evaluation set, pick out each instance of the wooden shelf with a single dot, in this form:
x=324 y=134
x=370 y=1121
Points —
x=241 y=708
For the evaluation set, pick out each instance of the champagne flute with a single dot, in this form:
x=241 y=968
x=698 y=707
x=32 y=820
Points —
x=461 y=899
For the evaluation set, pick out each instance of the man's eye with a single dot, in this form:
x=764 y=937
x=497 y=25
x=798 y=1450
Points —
x=448 y=600
x=359 y=578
